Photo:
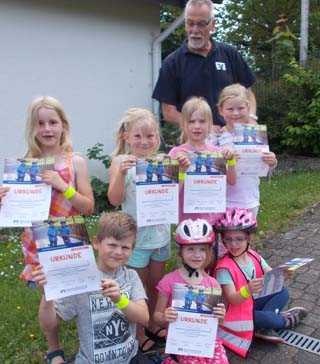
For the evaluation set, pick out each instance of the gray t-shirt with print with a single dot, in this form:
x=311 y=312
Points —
x=106 y=336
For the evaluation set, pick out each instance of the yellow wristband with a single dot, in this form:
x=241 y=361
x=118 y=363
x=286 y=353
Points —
x=231 y=162
x=69 y=193
x=182 y=176
x=123 y=302
x=244 y=292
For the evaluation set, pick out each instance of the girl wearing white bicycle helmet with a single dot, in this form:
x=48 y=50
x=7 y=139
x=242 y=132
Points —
x=194 y=239
x=241 y=274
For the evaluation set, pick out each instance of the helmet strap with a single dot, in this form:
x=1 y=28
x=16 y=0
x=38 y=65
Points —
x=191 y=271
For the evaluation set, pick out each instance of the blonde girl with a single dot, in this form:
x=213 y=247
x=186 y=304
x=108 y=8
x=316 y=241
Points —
x=194 y=239
x=233 y=105
x=48 y=135
x=195 y=128
x=138 y=137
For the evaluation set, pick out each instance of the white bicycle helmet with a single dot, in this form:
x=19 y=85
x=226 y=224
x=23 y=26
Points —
x=197 y=231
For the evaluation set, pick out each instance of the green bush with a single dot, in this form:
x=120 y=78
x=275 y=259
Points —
x=100 y=188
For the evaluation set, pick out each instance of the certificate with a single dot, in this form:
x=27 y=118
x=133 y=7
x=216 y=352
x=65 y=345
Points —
x=24 y=204
x=250 y=162
x=66 y=256
x=204 y=193
x=28 y=198
x=69 y=271
x=157 y=191
x=194 y=332
x=157 y=204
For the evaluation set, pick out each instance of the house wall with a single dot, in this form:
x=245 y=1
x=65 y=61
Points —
x=94 y=56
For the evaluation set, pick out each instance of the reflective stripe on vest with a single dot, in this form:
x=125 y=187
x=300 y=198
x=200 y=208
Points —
x=245 y=325
x=234 y=340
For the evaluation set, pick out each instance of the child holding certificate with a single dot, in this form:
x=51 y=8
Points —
x=233 y=105
x=138 y=137
x=196 y=127
x=106 y=319
x=195 y=239
x=240 y=273
x=48 y=135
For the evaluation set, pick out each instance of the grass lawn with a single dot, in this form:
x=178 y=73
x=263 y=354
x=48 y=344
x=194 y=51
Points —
x=282 y=199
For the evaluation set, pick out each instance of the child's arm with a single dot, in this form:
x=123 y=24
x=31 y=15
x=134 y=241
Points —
x=230 y=157
x=82 y=198
x=117 y=175
x=270 y=159
x=136 y=311
x=236 y=297
x=163 y=314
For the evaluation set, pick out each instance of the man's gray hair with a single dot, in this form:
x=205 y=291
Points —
x=209 y=4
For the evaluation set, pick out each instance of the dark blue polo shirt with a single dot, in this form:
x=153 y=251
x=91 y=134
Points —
x=184 y=74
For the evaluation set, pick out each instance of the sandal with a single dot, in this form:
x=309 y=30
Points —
x=151 y=349
x=154 y=336
x=54 y=354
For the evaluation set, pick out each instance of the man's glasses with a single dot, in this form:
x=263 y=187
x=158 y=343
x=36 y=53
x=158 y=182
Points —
x=199 y=24
x=237 y=240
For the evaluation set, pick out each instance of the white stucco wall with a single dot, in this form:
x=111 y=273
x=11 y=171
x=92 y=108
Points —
x=94 y=56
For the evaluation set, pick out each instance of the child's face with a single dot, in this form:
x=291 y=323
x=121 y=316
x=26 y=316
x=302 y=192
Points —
x=236 y=242
x=143 y=140
x=195 y=255
x=235 y=110
x=113 y=253
x=197 y=128
x=49 y=128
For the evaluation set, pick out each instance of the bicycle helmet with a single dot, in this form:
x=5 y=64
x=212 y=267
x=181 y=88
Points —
x=197 y=231
x=236 y=219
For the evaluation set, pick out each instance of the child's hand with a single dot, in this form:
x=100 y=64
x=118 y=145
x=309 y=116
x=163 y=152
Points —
x=127 y=162
x=219 y=311
x=53 y=179
x=270 y=159
x=216 y=129
x=3 y=191
x=255 y=285
x=184 y=162
x=111 y=289
x=288 y=274
x=39 y=277
x=170 y=314
x=228 y=153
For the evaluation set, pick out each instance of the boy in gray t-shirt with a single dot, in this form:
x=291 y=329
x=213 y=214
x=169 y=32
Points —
x=106 y=319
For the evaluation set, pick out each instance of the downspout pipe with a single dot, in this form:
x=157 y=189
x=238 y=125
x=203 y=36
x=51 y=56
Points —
x=156 y=55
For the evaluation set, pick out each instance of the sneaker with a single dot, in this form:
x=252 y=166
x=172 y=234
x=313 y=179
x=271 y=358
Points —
x=294 y=316
x=268 y=335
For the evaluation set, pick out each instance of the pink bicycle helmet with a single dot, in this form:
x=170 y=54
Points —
x=197 y=231
x=236 y=219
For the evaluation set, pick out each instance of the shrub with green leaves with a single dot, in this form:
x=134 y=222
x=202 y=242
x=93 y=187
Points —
x=100 y=187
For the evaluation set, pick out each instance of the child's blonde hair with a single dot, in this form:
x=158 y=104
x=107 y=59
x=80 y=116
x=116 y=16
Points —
x=117 y=225
x=188 y=108
x=48 y=102
x=234 y=91
x=134 y=117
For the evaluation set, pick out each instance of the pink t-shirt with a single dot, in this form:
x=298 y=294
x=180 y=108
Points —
x=174 y=152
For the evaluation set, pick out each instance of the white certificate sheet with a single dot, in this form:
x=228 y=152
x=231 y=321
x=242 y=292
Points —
x=192 y=334
x=69 y=271
x=204 y=193
x=25 y=203
x=157 y=204
x=250 y=163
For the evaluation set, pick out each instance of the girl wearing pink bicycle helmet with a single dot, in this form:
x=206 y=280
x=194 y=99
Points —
x=240 y=272
x=194 y=239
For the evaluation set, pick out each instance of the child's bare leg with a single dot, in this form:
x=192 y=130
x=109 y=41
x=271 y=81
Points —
x=49 y=323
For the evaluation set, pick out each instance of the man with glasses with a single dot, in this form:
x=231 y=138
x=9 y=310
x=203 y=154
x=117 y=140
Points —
x=200 y=67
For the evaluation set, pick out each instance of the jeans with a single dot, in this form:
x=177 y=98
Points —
x=266 y=310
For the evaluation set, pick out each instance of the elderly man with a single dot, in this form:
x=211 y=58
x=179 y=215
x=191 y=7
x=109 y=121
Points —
x=200 y=67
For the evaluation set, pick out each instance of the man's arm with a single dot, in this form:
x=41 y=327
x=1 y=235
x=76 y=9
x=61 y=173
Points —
x=171 y=114
x=252 y=105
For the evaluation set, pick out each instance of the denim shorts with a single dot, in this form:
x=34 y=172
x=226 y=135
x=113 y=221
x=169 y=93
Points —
x=140 y=258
